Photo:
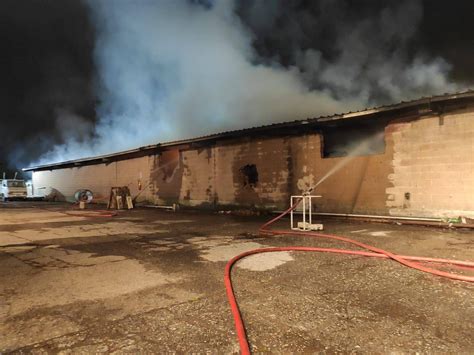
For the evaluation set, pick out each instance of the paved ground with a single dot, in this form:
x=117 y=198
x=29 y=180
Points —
x=152 y=281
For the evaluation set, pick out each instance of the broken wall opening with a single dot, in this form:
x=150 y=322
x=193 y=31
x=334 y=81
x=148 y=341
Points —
x=249 y=174
x=354 y=139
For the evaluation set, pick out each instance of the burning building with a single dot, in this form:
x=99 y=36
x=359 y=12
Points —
x=413 y=158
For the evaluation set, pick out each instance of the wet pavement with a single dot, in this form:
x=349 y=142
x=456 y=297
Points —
x=149 y=280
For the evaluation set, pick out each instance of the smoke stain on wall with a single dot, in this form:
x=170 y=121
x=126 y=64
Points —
x=166 y=176
x=417 y=174
x=270 y=158
x=360 y=181
x=247 y=154
x=197 y=188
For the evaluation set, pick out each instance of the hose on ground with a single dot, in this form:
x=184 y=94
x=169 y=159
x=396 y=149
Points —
x=93 y=213
x=409 y=261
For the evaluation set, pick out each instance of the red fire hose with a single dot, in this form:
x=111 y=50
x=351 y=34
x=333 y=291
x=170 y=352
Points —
x=90 y=213
x=93 y=213
x=410 y=261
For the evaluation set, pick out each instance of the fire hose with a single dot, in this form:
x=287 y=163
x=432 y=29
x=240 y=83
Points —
x=78 y=213
x=91 y=213
x=409 y=261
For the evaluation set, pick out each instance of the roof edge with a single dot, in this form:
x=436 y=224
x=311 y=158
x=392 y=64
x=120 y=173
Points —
x=229 y=134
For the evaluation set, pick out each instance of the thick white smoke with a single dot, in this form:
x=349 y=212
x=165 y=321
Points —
x=177 y=69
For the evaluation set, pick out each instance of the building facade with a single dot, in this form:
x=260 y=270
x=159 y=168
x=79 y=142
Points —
x=411 y=159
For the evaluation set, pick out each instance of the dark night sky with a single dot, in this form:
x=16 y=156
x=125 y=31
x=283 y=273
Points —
x=46 y=64
x=47 y=59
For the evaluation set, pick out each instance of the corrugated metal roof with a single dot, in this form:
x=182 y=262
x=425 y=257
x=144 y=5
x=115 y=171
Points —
x=234 y=133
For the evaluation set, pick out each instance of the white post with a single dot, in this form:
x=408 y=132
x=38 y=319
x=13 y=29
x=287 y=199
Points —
x=291 y=212
x=309 y=210
x=304 y=213
x=307 y=204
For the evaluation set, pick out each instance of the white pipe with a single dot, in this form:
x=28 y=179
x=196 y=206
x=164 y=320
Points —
x=426 y=219
x=291 y=212
x=173 y=207
x=379 y=217
x=304 y=213
x=310 y=211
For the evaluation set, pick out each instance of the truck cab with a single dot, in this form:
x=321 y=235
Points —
x=12 y=189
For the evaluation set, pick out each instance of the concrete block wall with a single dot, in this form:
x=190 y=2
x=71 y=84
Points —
x=374 y=184
x=197 y=184
x=165 y=177
x=211 y=177
x=286 y=166
x=433 y=167
x=269 y=156
x=134 y=173
x=97 y=178
x=357 y=184
x=427 y=169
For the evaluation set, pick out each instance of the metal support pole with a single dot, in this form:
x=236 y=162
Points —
x=309 y=210
x=291 y=213
x=304 y=213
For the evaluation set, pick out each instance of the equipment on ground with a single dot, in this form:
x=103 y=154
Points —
x=306 y=202
x=83 y=195
x=120 y=198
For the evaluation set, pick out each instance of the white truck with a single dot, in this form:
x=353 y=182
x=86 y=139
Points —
x=12 y=189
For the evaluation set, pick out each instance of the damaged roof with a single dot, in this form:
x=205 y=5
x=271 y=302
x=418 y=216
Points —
x=414 y=108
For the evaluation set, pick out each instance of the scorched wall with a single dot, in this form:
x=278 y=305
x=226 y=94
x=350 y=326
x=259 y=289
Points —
x=427 y=169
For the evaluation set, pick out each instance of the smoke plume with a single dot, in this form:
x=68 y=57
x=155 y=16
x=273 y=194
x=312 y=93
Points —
x=176 y=69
